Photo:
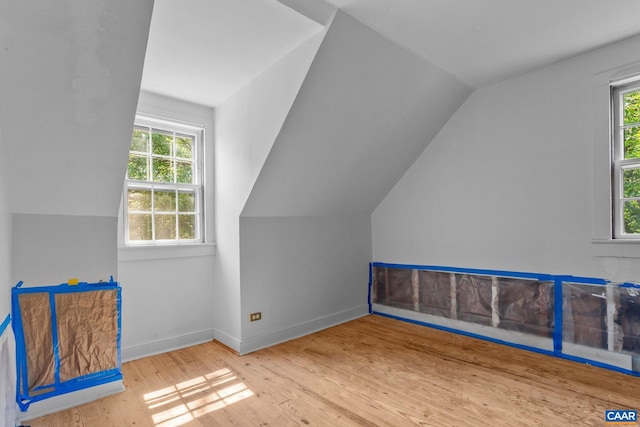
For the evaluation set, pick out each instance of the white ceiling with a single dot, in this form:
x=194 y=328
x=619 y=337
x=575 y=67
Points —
x=205 y=50
x=484 y=41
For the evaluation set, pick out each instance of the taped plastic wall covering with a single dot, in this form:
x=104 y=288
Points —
x=67 y=338
x=584 y=319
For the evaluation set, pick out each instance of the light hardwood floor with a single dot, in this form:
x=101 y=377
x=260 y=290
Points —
x=371 y=371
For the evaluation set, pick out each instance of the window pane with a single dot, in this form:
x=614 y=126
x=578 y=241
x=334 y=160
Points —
x=631 y=182
x=162 y=142
x=184 y=147
x=632 y=107
x=186 y=202
x=165 y=227
x=164 y=201
x=140 y=141
x=162 y=170
x=632 y=142
x=140 y=227
x=138 y=168
x=631 y=217
x=184 y=172
x=139 y=200
x=187 y=226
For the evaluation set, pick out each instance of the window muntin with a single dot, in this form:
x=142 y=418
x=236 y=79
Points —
x=626 y=159
x=163 y=187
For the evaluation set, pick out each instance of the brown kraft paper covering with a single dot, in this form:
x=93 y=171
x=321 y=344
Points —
x=87 y=332
x=35 y=313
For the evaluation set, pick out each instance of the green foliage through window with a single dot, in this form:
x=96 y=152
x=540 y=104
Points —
x=163 y=193
x=628 y=102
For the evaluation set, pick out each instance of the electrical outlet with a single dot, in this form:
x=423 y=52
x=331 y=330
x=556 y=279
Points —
x=255 y=316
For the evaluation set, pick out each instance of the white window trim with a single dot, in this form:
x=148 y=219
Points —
x=603 y=242
x=205 y=249
x=618 y=89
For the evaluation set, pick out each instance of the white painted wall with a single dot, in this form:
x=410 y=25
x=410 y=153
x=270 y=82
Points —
x=168 y=293
x=303 y=273
x=8 y=406
x=509 y=183
x=70 y=76
x=246 y=126
x=366 y=109
x=70 y=81
x=51 y=249
x=6 y=279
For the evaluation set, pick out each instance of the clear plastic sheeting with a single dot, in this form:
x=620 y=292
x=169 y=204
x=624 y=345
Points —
x=435 y=293
x=578 y=318
x=526 y=306
x=585 y=315
x=627 y=319
x=67 y=338
x=513 y=304
x=603 y=317
x=473 y=296
x=400 y=289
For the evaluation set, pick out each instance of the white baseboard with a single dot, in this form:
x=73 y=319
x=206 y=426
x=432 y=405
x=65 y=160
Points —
x=306 y=328
x=69 y=400
x=244 y=346
x=228 y=340
x=165 y=345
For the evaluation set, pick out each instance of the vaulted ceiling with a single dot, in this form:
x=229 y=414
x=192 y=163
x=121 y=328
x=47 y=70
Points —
x=205 y=50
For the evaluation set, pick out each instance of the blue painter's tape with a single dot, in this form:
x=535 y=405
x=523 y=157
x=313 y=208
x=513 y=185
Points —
x=21 y=358
x=370 y=287
x=66 y=289
x=119 y=334
x=514 y=345
x=54 y=334
x=23 y=397
x=500 y=273
x=71 y=386
x=629 y=285
x=582 y=280
x=6 y=322
x=557 y=317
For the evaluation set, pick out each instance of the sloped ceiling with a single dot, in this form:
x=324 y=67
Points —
x=482 y=42
x=365 y=111
x=69 y=82
x=204 y=51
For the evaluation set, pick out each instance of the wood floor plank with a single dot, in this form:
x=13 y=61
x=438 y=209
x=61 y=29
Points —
x=373 y=371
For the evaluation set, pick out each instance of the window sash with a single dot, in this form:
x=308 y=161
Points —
x=619 y=163
x=193 y=216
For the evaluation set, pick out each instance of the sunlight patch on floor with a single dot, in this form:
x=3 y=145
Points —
x=181 y=403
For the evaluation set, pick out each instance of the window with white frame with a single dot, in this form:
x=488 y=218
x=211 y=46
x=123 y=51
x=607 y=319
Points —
x=625 y=100
x=163 y=187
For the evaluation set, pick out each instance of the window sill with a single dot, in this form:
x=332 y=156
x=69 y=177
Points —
x=139 y=253
x=617 y=248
